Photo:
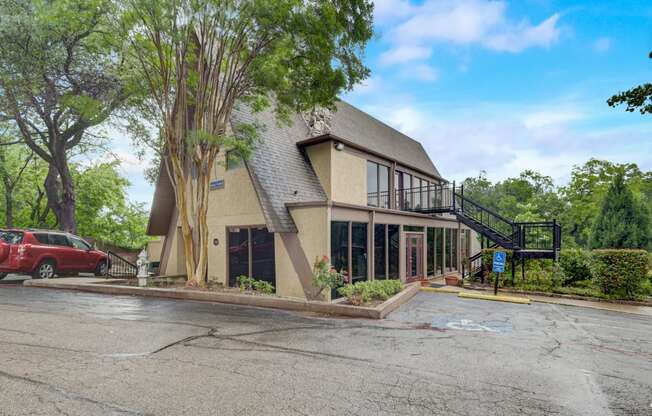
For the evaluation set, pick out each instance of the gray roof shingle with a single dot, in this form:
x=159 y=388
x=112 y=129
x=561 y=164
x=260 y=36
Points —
x=280 y=170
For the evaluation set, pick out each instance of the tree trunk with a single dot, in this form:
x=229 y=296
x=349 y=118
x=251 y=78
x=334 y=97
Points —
x=61 y=197
x=9 y=207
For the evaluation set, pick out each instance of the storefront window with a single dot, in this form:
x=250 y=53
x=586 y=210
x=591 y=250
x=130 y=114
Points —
x=358 y=251
x=393 y=250
x=263 y=265
x=447 y=240
x=431 y=251
x=340 y=245
x=238 y=254
x=380 y=245
x=439 y=244
x=454 y=253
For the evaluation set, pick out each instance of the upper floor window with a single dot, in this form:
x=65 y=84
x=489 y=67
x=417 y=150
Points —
x=377 y=185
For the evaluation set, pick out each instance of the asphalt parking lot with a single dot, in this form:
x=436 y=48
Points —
x=77 y=353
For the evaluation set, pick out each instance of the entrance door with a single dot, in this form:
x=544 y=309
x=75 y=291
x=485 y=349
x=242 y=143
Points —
x=413 y=256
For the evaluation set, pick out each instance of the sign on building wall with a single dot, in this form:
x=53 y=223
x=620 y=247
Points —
x=217 y=184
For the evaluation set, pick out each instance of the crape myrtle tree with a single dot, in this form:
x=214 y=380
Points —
x=623 y=222
x=199 y=59
x=59 y=77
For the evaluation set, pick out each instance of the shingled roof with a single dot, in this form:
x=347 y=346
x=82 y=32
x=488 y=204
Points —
x=280 y=171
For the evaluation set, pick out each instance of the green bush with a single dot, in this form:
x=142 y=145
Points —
x=249 y=283
x=575 y=264
x=621 y=273
x=325 y=276
x=362 y=292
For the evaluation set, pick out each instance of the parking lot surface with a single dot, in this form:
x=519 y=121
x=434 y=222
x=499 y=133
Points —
x=73 y=353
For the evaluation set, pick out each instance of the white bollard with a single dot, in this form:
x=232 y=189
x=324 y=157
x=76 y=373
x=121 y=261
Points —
x=143 y=265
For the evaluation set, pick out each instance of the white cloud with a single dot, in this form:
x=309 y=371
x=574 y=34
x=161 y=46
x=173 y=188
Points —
x=547 y=117
x=495 y=137
x=424 y=72
x=482 y=23
x=602 y=45
x=386 y=11
x=404 y=53
x=368 y=86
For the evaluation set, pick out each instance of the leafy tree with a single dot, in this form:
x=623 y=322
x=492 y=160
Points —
x=622 y=221
x=14 y=160
x=58 y=78
x=198 y=59
x=638 y=98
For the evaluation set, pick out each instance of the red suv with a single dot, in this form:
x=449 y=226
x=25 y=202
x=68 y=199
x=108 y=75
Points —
x=44 y=253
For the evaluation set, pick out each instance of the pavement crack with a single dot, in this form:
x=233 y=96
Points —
x=69 y=395
x=210 y=333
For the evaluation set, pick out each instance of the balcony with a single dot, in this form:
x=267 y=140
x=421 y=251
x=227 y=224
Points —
x=427 y=200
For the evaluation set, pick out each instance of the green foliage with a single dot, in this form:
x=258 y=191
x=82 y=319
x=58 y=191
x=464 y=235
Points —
x=621 y=273
x=622 y=221
x=247 y=283
x=325 y=276
x=363 y=292
x=638 y=98
x=575 y=265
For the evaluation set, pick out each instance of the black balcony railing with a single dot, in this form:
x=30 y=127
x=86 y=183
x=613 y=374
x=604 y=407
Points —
x=543 y=236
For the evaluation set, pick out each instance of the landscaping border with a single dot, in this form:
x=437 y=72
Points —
x=378 y=312
x=562 y=296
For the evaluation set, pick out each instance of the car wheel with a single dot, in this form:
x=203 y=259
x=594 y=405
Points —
x=3 y=275
x=45 y=270
x=101 y=269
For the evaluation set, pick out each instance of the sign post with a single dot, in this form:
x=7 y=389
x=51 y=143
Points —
x=498 y=267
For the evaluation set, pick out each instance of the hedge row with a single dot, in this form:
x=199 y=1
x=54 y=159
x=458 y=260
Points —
x=621 y=272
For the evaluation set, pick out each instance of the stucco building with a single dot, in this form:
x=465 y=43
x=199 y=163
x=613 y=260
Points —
x=339 y=183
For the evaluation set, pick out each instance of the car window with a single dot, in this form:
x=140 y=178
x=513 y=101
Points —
x=58 y=240
x=80 y=244
x=11 y=237
x=42 y=238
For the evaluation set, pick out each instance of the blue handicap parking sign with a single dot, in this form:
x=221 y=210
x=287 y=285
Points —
x=499 y=261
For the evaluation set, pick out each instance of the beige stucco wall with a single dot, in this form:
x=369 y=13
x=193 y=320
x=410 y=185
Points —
x=294 y=259
x=154 y=249
x=348 y=177
x=234 y=205
x=320 y=158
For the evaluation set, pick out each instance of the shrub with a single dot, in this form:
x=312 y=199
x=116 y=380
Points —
x=263 y=287
x=362 y=292
x=576 y=265
x=249 y=283
x=621 y=273
x=325 y=276
x=488 y=261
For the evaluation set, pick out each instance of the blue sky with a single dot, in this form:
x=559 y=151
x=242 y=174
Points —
x=502 y=86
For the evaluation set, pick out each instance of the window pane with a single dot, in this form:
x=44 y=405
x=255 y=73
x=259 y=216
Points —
x=372 y=184
x=447 y=240
x=431 y=251
x=425 y=200
x=393 y=237
x=263 y=266
x=407 y=184
x=398 y=186
x=439 y=243
x=416 y=183
x=454 y=249
x=383 y=186
x=58 y=240
x=379 y=251
x=77 y=243
x=340 y=246
x=12 y=237
x=238 y=254
x=358 y=251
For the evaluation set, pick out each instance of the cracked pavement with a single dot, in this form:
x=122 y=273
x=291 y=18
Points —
x=74 y=353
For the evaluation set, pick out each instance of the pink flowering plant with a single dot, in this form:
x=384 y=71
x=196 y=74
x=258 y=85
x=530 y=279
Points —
x=325 y=276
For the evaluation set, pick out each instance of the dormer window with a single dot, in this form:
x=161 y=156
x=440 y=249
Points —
x=377 y=185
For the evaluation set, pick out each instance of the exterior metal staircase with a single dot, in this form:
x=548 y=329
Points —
x=526 y=239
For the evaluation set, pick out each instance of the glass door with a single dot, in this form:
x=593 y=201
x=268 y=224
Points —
x=413 y=256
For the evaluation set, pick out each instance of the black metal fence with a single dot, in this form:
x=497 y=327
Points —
x=120 y=267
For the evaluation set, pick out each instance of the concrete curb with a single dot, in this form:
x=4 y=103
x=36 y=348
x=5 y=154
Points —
x=441 y=289
x=378 y=312
x=497 y=298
